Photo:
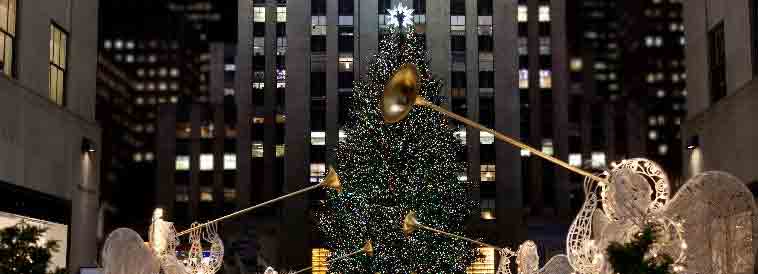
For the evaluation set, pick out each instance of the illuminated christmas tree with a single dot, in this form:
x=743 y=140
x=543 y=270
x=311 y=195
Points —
x=389 y=169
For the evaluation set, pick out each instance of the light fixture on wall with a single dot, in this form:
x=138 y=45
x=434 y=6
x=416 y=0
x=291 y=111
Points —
x=87 y=145
x=693 y=142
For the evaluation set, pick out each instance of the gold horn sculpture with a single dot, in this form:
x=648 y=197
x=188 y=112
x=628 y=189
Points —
x=401 y=94
x=367 y=249
x=410 y=224
x=331 y=180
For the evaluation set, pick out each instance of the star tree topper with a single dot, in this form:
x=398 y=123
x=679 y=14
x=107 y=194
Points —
x=400 y=16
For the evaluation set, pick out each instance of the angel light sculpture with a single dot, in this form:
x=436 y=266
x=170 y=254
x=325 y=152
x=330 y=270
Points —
x=707 y=227
x=527 y=261
x=125 y=252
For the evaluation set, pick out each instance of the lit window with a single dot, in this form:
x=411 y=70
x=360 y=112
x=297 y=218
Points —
x=522 y=13
x=522 y=46
x=174 y=72
x=457 y=23
x=258 y=45
x=257 y=150
x=230 y=161
x=57 y=70
x=545 y=79
x=575 y=159
x=280 y=150
x=318 y=138
x=137 y=157
x=182 y=162
x=206 y=161
x=487 y=173
x=547 y=146
x=525 y=153
x=653 y=135
x=228 y=91
x=613 y=87
x=652 y=121
x=162 y=86
x=486 y=264
x=130 y=45
x=174 y=99
x=140 y=72
x=152 y=58
x=139 y=100
x=281 y=46
x=318 y=170
x=230 y=194
x=129 y=58
x=230 y=67
x=346 y=63
x=598 y=159
x=107 y=44
x=576 y=64
x=342 y=135
x=544 y=45
x=119 y=44
x=174 y=86
x=663 y=149
x=486 y=138
x=544 y=14
x=523 y=78
x=461 y=135
x=345 y=20
x=206 y=195
x=318 y=25
x=462 y=177
x=318 y=260
x=281 y=14
x=259 y=14
x=648 y=41
x=660 y=93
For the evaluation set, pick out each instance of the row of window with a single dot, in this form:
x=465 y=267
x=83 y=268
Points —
x=543 y=13
x=206 y=194
x=545 y=80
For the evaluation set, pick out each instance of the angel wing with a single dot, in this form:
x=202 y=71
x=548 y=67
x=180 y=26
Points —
x=124 y=252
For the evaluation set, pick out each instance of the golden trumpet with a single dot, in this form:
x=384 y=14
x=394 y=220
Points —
x=401 y=94
x=330 y=181
x=410 y=224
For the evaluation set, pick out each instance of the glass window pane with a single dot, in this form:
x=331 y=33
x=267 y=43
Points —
x=63 y=50
x=2 y=46
x=12 y=18
x=4 y=14
x=53 y=80
x=8 y=63
x=52 y=40
x=59 y=100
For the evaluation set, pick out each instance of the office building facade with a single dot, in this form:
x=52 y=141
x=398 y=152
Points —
x=49 y=168
x=722 y=54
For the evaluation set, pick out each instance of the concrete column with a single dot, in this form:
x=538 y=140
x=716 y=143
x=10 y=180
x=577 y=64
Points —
x=560 y=92
x=294 y=215
x=244 y=61
x=332 y=97
x=472 y=91
x=509 y=205
x=165 y=146
x=85 y=203
x=217 y=106
x=438 y=42
x=194 y=184
x=269 y=106
x=366 y=25
x=535 y=110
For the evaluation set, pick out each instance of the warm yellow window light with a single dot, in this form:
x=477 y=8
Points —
x=318 y=260
x=485 y=265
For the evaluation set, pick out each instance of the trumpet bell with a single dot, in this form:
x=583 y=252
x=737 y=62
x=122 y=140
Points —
x=400 y=94
x=368 y=248
x=332 y=180
x=409 y=223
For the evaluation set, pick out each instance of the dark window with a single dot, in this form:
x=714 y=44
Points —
x=281 y=29
x=345 y=39
x=523 y=29
x=458 y=43
x=318 y=111
x=318 y=7
x=318 y=43
x=717 y=62
x=345 y=79
x=487 y=112
x=318 y=84
x=259 y=29
x=343 y=103
x=384 y=5
x=419 y=6
x=544 y=29
x=486 y=79
x=484 y=7
x=458 y=79
x=485 y=43
x=457 y=7
x=345 y=7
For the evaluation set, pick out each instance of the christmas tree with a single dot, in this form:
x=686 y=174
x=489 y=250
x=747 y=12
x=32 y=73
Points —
x=634 y=258
x=387 y=170
x=22 y=251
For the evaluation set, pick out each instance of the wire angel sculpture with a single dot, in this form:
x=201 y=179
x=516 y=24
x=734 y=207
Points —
x=707 y=227
x=125 y=252
x=527 y=261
